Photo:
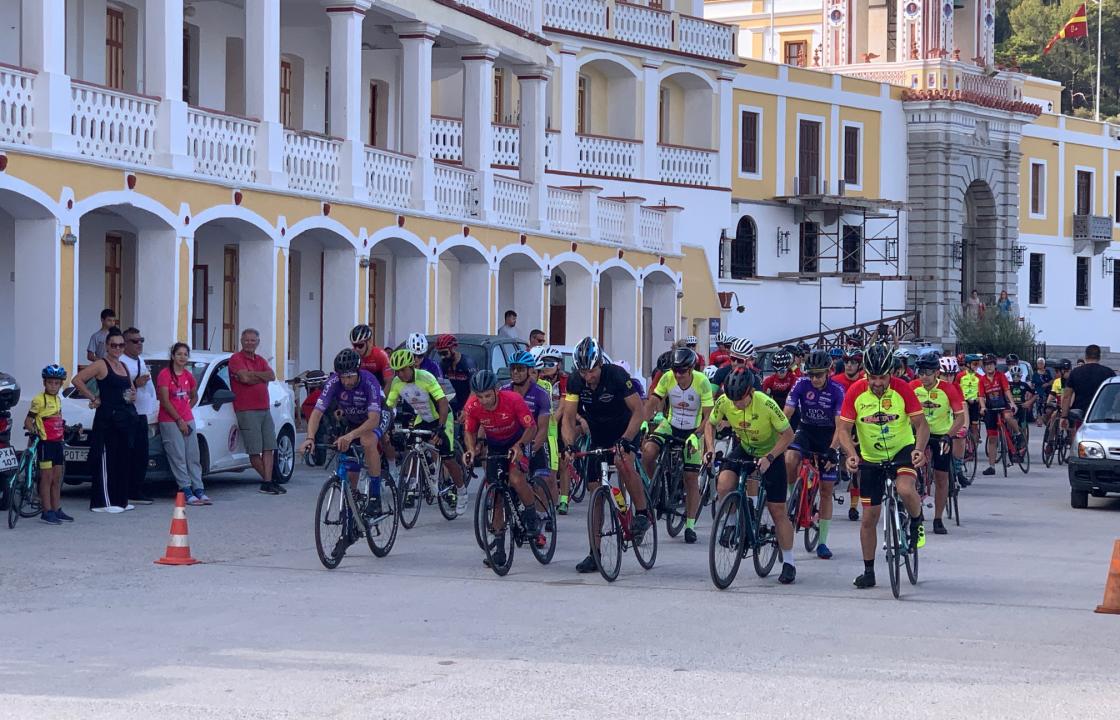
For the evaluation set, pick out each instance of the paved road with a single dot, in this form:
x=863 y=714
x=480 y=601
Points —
x=999 y=626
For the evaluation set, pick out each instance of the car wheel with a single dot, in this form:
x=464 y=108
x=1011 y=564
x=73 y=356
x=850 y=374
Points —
x=285 y=463
x=203 y=456
x=1078 y=499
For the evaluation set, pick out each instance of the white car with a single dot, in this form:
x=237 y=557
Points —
x=219 y=440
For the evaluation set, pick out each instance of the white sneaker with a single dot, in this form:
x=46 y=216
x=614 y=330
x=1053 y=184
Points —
x=128 y=507
x=113 y=509
x=100 y=509
x=463 y=503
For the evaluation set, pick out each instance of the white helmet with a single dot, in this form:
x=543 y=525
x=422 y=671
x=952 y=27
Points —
x=710 y=371
x=691 y=340
x=742 y=348
x=417 y=344
x=551 y=351
x=949 y=365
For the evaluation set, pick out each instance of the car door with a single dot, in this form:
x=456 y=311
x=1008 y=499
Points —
x=218 y=426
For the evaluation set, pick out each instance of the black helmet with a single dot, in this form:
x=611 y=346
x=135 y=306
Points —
x=683 y=359
x=588 y=354
x=1065 y=364
x=878 y=359
x=347 y=362
x=483 y=380
x=782 y=360
x=360 y=333
x=818 y=360
x=853 y=354
x=791 y=349
x=803 y=348
x=738 y=384
x=929 y=361
x=665 y=361
x=1012 y=359
x=989 y=359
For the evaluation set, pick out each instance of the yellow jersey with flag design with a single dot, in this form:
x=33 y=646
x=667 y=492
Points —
x=882 y=421
x=939 y=403
x=757 y=426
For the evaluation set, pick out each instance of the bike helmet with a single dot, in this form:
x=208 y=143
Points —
x=738 y=384
x=723 y=339
x=949 y=365
x=483 y=380
x=929 y=361
x=878 y=359
x=56 y=372
x=683 y=359
x=1065 y=365
x=417 y=344
x=523 y=358
x=690 y=340
x=665 y=361
x=973 y=357
x=1016 y=371
x=836 y=353
x=782 y=360
x=446 y=342
x=742 y=348
x=361 y=333
x=818 y=360
x=901 y=356
x=400 y=359
x=552 y=353
x=853 y=355
x=347 y=362
x=588 y=354
x=1012 y=359
x=989 y=359
x=710 y=371
x=791 y=349
x=803 y=348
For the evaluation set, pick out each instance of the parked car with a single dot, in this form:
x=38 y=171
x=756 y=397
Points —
x=486 y=351
x=1094 y=460
x=219 y=440
x=9 y=460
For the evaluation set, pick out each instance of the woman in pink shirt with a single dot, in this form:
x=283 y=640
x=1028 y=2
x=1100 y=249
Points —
x=178 y=392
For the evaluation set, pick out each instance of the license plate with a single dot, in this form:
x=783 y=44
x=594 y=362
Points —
x=8 y=460
x=75 y=454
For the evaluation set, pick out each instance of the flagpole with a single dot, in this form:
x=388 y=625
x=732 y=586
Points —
x=1097 y=102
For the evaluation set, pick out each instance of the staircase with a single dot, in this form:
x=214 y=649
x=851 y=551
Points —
x=906 y=326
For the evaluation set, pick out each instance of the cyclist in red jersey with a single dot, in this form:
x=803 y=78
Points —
x=690 y=342
x=374 y=359
x=995 y=398
x=853 y=371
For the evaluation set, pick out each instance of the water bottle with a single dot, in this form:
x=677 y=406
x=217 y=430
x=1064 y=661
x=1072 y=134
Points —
x=619 y=499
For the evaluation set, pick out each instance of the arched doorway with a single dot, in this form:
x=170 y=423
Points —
x=618 y=296
x=571 y=315
x=464 y=291
x=520 y=289
x=979 y=262
x=399 y=284
x=234 y=288
x=322 y=298
x=659 y=316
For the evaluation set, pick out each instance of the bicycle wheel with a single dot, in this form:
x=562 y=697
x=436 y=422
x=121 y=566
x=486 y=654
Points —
x=31 y=505
x=1047 y=447
x=766 y=542
x=1063 y=446
x=954 y=502
x=1025 y=456
x=448 y=498
x=330 y=530
x=381 y=530
x=494 y=536
x=604 y=532
x=646 y=552
x=1004 y=450
x=480 y=516
x=911 y=560
x=891 y=546
x=15 y=498
x=675 y=506
x=411 y=494
x=812 y=533
x=706 y=481
x=543 y=553
x=971 y=455
x=725 y=548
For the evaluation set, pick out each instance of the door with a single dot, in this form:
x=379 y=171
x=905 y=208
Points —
x=200 y=308
x=557 y=326
x=809 y=157
x=114 y=48
x=285 y=93
x=114 y=294
x=373 y=113
x=229 y=299
x=218 y=427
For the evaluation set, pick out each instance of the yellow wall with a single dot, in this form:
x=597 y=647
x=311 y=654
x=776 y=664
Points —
x=1037 y=148
x=281 y=310
x=185 y=290
x=794 y=107
x=66 y=305
x=810 y=77
x=744 y=187
x=1086 y=157
x=869 y=149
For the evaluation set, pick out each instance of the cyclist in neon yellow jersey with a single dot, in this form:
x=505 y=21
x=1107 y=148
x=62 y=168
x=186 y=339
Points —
x=969 y=383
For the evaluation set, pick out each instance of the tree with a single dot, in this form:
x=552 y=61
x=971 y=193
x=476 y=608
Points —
x=995 y=332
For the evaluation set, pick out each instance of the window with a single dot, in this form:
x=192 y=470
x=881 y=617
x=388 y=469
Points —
x=187 y=64
x=744 y=250
x=327 y=102
x=371 y=298
x=808 y=157
x=581 y=105
x=1115 y=283
x=1037 y=294
x=229 y=299
x=663 y=115
x=1116 y=202
x=795 y=53
x=748 y=142
x=499 y=95
x=1082 y=299
x=1038 y=188
x=114 y=48
x=373 y=113
x=114 y=294
x=851 y=155
x=852 y=261
x=200 y=315
x=285 y=93
x=807 y=261
x=1084 y=197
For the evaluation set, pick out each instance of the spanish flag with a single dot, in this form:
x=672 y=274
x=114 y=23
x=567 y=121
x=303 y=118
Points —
x=1077 y=27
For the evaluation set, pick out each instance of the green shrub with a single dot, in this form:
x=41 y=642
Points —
x=995 y=333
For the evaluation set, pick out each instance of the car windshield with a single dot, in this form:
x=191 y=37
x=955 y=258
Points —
x=1106 y=408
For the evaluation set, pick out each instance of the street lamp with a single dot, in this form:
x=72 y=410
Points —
x=1017 y=252
x=725 y=301
x=783 y=242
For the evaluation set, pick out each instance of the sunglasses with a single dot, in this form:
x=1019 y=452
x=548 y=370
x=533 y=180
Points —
x=818 y=375
x=116 y=345
x=445 y=353
x=926 y=372
x=358 y=345
x=738 y=360
x=137 y=341
x=681 y=371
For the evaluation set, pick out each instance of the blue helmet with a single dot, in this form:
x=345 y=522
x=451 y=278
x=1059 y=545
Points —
x=836 y=353
x=54 y=372
x=523 y=357
x=588 y=354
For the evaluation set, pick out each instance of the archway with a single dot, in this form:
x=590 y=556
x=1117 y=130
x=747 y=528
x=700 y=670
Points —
x=520 y=288
x=234 y=284
x=322 y=298
x=607 y=96
x=686 y=108
x=659 y=316
x=571 y=314
x=463 y=304
x=618 y=314
x=399 y=290
x=980 y=261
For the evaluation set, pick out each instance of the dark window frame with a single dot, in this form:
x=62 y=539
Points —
x=853 y=138
x=808 y=247
x=744 y=250
x=1082 y=283
x=1083 y=192
x=1037 y=279
x=749 y=123
x=851 y=259
x=1038 y=188
x=809 y=156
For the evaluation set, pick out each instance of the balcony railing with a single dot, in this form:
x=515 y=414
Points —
x=389 y=178
x=515 y=12
x=706 y=38
x=550 y=149
x=507 y=145
x=447 y=138
x=612 y=221
x=311 y=162
x=651 y=230
x=643 y=25
x=607 y=156
x=686 y=165
x=947 y=74
x=16 y=119
x=583 y=16
x=511 y=201
x=223 y=146
x=113 y=125
x=564 y=211
x=455 y=191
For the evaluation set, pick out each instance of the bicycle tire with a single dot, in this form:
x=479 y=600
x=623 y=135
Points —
x=447 y=490
x=411 y=490
x=1004 y=451
x=732 y=553
x=1025 y=458
x=544 y=497
x=893 y=550
x=1063 y=446
x=910 y=559
x=1047 y=447
x=15 y=497
x=812 y=533
x=31 y=505
x=607 y=536
x=971 y=444
x=479 y=516
x=676 y=506
x=766 y=551
x=381 y=533
x=954 y=504
x=491 y=539
x=330 y=494
x=646 y=552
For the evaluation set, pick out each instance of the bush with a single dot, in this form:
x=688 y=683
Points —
x=994 y=333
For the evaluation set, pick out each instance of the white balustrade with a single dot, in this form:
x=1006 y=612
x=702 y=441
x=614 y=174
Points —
x=685 y=165
x=706 y=38
x=507 y=145
x=651 y=234
x=16 y=87
x=223 y=146
x=984 y=85
x=511 y=201
x=551 y=138
x=612 y=221
x=606 y=156
x=643 y=25
x=447 y=139
x=388 y=178
x=311 y=162
x=455 y=191
x=563 y=211
x=514 y=12
x=113 y=125
x=584 y=16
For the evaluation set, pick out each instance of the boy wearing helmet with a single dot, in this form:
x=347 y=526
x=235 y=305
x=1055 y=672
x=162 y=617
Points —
x=996 y=399
x=44 y=419
x=457 y=368
x=417 y=344
x=781 y=381
x=374 y=359
x=944 y=410
x=1021 y=392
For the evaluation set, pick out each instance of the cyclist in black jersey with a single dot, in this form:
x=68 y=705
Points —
x=606 y=397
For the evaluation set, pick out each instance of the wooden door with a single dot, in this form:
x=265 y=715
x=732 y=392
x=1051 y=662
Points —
x=229 y=299
x=114 y=292
x=114 y=48
x=809 y=157
x=557 y=324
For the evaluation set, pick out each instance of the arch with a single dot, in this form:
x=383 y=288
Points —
x=114 y=200
x=573 y=310
x=463 y=271
x=326 y=224
x=619 y=264
x=234 y=212
x=743 y=260
x=572 y=258
x=673 y=70
x=606 y=60
x=393 y=231
x=27 y=197
x=980 y=235
x=659 y=269
x=464 y=241
x=659 y=312
x=538 y=260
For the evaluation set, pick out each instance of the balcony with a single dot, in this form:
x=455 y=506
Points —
x=113 y=125
x=607 y=156
x=16 y=117
x=941 y=74
x=1092 y=231
x=642 y=25
x=223 y=146
x=687 y=165
x=518 y=13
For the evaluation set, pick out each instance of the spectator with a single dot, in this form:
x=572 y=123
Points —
x=45 y=420
x=1003 y=305
x=146 y=406
x=536 y=338
x=1078 y=390
x=110 y=439
x=249 y=376
x=178 y=392
x=96 y=348
x=975 y=305
x=507 y=330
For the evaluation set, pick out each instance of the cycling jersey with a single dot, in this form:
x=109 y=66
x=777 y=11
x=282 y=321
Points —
x=47 y=411
x=376 y=362
x=558 y=387
x=757 y=426
x=994 y=389
x=459 y=375
x=719 y=358
x=1056 y=387
x=685 y=404
x=604 y=406
x=940 y=404
x=882 y=423
x=778 y=387
x=535 y=398
x=504 y=424
x=969 y=383
x=431 y=366
x=818 y=408
x=355 y=403
x=1019 y=390
x=846 y=382
x=421 y=394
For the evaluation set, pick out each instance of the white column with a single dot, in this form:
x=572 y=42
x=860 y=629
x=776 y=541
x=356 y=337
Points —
x=417 y=40
x=156 y=257
x=650 y=167
x=726 y=125
x=163 y=77
x=346 y=92
x=478 y=118
x=262 y=87
x=46 y=54
x=567 y=153
x=534 y=122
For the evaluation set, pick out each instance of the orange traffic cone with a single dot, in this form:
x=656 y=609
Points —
x=178 y=548
x=1111 y=602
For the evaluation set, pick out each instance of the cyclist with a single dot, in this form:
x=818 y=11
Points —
x=720 y=357
x=689 y=397
x=552 y=372
x=374 y=359
x=741 y=355
x=604 y=396
x=902 y=367
x=944 y=410
x=996 y=399
x=764 y=434
x=836 y=354
x=522 y=382
x=891 y=426
x=509 y=426
x=421 y=390
x=778 y=384
x=1021 y=392
x=417 y=344
x=817 y=398
x=853 y=369
x=690 y=342
x=664 y=364
x=949 y=372
x=1054 y=399
x=457 y=368
x=969 y=383
x=44 y=419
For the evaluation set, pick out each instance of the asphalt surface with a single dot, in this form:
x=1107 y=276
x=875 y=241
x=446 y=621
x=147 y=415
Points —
x=999 y=625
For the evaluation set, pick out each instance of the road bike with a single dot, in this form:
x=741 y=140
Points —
x=498 y=518
x=666 y=488
x=743 y=526
x=23 y=485
x=1008 y=453
x=345 y=512
x=577 y=470
x=422 y=478
x=803 y=503
x=897 y=544
x=610 y=517
x=1056 y=439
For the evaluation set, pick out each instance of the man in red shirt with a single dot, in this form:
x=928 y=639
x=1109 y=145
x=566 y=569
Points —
x=690 y=342
x=853 y=360
x=249 y=376
x=995 y=398
x=374 y=359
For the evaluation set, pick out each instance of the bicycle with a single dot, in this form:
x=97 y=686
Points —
x=23 y=485
x=339 y=503
x=896 y=531
x=803 y=503
x=498 y=492
x=971 y=457
x=743 y=526
x=927 y=483
x=422 y=479
x=577 y=471
x=609 y=518
x=667 y=491
x=1007 y=450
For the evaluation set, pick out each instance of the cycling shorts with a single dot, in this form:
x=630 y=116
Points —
x=991 y=419
x=813 y=439
x=691 y=448
x=553 y=446
x=774 y=479
x=873 y=479
x=50 y=454
x=538 y=462
x=940 y=452
x=974 y=411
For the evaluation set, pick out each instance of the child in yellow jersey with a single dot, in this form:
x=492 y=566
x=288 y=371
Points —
x=44 y=419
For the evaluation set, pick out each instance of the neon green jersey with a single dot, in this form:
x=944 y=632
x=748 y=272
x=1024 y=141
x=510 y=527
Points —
x=422 y=394
x=686 y=405
x=970 y=385
x=757 y=426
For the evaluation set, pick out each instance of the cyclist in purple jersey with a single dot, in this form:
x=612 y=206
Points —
x=540 y=406
x=352 y=403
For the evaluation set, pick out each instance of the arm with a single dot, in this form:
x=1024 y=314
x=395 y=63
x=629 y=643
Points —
x=921 y=438
x=442 y=408
x=652 y=404
x=90 y=356
x=634 y=403
x=783 y=443
x=312 y=430
x=567 y=421
x=788 y=410
x=960 y=419
x=539 y=434
x=844 y=436
x=90 y=372
x=1067 y=399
